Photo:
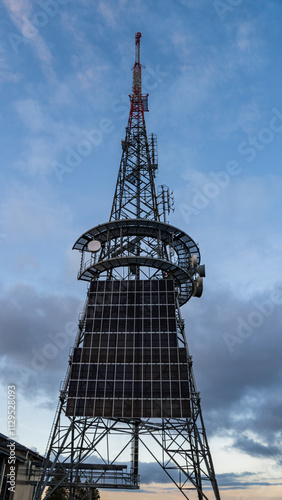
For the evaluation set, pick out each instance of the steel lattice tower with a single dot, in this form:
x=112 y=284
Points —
x=130 y=380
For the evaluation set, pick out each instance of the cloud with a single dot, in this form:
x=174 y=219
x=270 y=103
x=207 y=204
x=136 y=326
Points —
x=109 y=14
x=234 y=209
x=207 y=78
x=239 y=383
x=241 y=481
x=214 y=90
x=249 y=115
x=240 y=393
x=37 y=331
x=44 y=137
x=22 y=14
x=18 y=8
x=257 y=449
x=6 y=74
x=37 y=234
x=247 y=38
x=153 y=473
x=193 y=4
x=32 y=115
x=30 y=213
x=91 y=71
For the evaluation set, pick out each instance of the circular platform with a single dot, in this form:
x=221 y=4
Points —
x=159 y=232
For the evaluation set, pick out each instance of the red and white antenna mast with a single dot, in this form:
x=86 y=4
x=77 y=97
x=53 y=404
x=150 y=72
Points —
x=135 y=194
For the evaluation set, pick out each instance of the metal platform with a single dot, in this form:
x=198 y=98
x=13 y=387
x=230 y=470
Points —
x=118 y=241
x=181 y=242
x=113 y=476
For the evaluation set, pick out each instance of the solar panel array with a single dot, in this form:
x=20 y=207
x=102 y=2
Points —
x=130 y=364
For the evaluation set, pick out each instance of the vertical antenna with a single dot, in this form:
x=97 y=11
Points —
x=137 y=81
x=137 y=47
x=135 y=194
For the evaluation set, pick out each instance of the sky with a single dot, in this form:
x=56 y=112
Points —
x=213 y=73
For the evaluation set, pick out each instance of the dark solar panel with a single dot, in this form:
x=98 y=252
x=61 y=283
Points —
x=130 y=364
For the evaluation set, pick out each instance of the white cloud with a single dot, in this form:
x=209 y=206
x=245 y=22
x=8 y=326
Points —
x=21 y=13
x=108 y=12
x=193 y=4
x=247 y=38
x=45 y=137
x=249 y=46
x=7 y=75
x=31 y=114
x=26 y=261
x=18 y=8
x=249 y=115
x=29 y=214
x=245 y=211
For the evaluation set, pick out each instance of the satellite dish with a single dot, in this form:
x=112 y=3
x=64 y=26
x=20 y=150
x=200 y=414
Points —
x=201 y=270
x=194 y=260
x=94 y=246
x=199 y=281
x=198 y=292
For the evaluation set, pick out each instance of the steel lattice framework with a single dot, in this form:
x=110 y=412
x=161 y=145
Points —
x=131 y=334
x=135 y=195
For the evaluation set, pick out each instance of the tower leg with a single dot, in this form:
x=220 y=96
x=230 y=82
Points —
x=135 y=452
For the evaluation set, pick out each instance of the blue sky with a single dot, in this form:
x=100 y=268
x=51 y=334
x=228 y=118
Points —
x=213 y=71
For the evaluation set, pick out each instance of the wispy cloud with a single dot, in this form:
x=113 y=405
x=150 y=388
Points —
x=241 y=481
x=247 y=38
x=29 y=213
x=7 y=75
x=44 y=137
x=108 y=12
x=20 y=12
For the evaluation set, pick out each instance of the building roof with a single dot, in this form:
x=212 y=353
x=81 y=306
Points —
x=4 y=441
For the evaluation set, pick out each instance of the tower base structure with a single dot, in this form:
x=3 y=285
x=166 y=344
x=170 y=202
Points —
x=103 y=451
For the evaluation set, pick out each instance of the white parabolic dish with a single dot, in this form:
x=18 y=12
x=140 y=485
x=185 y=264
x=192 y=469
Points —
x=94 y=246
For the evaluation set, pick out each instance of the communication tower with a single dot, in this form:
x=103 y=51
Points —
x=130 y=388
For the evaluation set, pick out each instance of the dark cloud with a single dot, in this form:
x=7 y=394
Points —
x=256 y=449
x=153 y=473
x=37 y=332
x=240 y=383
x=240 y=386
x=240 y=481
